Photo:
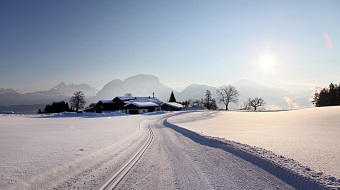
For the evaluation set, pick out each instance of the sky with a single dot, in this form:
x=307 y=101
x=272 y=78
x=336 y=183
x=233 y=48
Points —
x=275 y=43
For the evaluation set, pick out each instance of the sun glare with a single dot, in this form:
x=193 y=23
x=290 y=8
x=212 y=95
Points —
x=266 y=62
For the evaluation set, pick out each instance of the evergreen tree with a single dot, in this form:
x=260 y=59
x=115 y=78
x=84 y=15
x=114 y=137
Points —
x=327 y=96
x=338 y=95
x=209 y=102
x=213 y=104
x=323 y=98
x=332 y=95
x=315 y=100
x=56 y=107
x=172 y=97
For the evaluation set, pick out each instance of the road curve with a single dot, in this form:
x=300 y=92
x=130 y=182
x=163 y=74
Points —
x=174 y=161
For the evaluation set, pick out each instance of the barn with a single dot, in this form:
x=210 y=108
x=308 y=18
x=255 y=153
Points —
x=127 y=104
x=141 y=107
x=103 y=105
x=171 y=106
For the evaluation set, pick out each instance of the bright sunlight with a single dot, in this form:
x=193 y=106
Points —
x=266 y=61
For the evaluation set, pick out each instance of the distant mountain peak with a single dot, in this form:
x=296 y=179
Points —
x=8 y=91
x=198 y=85
x=142 y=78
x=138 y=85
x=60 y=86
x=245 y=82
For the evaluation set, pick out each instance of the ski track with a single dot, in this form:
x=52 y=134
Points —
x=86 y=172
x=176 y=159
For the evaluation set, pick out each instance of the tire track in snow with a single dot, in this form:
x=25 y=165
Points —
x=174 y=161
x=290 y=177
x=87 y=171
x=114 y=180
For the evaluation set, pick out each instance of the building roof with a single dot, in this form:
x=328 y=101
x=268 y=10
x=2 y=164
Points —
x=142 y=104
x=129 y=99
x=174 y=105
x=107 y=101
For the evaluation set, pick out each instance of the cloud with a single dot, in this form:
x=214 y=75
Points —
x=291 y=104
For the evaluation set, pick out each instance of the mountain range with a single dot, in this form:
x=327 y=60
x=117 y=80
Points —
x=61 y=92
x=147 y=85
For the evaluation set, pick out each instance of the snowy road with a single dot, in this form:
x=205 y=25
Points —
x=175 y=160
x=126 y=152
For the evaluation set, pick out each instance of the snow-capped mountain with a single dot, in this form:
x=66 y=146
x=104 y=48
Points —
x=61 y=92
x=10 y=95
x=8 y=91
x=63 y=89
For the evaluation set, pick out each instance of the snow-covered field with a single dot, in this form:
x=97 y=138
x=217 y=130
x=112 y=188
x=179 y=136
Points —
x=36 y=150
x=70 y=151
x=309 y=136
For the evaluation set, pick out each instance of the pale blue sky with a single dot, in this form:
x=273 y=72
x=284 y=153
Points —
x=43 y=43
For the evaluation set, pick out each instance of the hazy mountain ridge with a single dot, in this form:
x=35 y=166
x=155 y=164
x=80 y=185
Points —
x=139 y=85
x=61 y=92
x=8 y=90
x=195 y=92
x=146 y=85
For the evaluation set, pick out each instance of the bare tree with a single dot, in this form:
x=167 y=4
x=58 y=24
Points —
x=196 y=102
x=256 y=102
x=246 y=105
x=227 y=94
x=78 y=100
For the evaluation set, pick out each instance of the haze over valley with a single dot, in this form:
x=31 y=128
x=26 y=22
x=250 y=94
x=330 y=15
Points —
x=146 y=85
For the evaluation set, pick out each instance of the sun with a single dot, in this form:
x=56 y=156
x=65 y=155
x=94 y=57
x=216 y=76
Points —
x=266 y=61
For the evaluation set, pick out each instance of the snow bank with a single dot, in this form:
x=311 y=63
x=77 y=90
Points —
x=309 y=136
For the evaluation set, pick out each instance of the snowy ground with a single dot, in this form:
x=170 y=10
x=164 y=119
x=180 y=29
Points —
x=37 y=150
x=309 y=136
x=81 y=151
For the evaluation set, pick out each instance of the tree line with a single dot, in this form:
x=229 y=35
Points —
x=56 y=107
x=226 y=95
x=77 y=102
x=327 y=96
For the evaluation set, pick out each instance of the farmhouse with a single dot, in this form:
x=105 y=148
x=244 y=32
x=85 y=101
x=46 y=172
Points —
x=171 y=106
x=127 y=104
x=105 y=105
x=141 y=107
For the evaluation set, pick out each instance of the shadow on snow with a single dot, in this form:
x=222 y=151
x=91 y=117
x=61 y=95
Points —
x=285 y=175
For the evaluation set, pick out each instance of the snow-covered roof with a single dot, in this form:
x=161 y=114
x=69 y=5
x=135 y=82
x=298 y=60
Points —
x=143 y=104
x=107 y=101
x=129 y=99
x=174 y=105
